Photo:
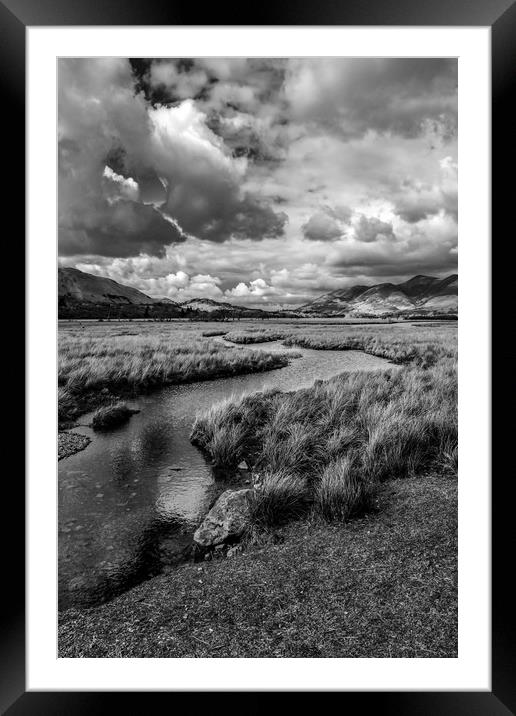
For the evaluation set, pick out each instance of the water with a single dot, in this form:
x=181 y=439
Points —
x=129 y=502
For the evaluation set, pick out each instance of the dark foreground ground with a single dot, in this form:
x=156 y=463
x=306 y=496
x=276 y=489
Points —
x=381 y=586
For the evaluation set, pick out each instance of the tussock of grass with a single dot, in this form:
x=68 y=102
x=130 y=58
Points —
x=110 y=416
x=256 y=336
x=343 y=492
x=280 y=497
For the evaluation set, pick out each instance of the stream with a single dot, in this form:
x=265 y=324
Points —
x=130 y=501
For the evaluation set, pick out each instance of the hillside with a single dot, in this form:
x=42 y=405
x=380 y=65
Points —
x=82 y=295
x=426 y=295
x=75 y=285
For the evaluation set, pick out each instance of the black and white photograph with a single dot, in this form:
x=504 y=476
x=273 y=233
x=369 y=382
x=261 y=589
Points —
x=257 y=357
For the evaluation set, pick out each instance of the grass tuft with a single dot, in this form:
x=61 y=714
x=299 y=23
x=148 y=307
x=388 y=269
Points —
x=110 y=416
x=281 y=497
x=344 y=490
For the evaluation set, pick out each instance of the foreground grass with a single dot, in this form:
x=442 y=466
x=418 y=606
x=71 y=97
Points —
x=93 y=366
x=111 y=416
x=328 y=447
x=383 y=585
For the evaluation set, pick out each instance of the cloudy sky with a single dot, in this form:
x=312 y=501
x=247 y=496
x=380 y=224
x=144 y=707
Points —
x=257 y=181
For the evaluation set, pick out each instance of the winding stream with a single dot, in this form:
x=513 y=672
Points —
x=129 y=502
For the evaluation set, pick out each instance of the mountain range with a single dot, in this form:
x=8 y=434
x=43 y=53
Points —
x=82 y=295
x=420 y=294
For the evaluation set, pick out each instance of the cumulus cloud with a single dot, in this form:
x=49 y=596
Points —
x=328 y=223
x=117 y=186
x=111 y=141
x=321 y=227
x=372 y=229
x=257 y=180
x=204 y=180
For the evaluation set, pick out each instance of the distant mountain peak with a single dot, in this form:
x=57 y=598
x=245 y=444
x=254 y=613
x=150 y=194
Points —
x=420 y=293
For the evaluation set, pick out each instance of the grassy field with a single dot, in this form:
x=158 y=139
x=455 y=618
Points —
x=98 y=362
x=383 y=585
x=353 y=551
x=327 y=448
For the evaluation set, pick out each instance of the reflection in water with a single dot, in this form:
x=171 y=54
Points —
x=130 y=501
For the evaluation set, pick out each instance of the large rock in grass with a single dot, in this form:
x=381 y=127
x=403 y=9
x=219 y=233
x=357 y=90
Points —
x=227 y=520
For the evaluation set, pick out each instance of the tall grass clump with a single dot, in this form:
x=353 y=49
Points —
x=344 y=490
x=110 y=416
x=228 y=430
x=256 y=336
x=281 y=497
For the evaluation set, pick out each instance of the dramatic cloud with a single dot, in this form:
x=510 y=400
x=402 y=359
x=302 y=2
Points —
x=103 y=122
x=258 y=181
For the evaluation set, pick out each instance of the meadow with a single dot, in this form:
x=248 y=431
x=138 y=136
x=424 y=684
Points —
x=353 y=547
x=98 y=362
x=327 y=448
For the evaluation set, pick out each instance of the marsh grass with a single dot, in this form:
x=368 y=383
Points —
x=281 y=497
x=401 y=345
x=127 y=364
x=340 y=438
x=255 y=336
x=343 y=492
x=110 y=416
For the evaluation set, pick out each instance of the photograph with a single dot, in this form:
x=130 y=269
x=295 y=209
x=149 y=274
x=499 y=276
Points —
x=257 y=357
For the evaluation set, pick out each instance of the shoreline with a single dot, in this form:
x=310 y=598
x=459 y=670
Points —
x=392 y=577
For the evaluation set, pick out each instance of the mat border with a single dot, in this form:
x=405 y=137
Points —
x=500 y=16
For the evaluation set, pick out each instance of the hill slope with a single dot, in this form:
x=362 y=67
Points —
x=82 y=295
x=75 y=285
x=420 y=294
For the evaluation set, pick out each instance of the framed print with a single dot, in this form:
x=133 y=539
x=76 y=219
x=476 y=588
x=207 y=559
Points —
x=258 y=449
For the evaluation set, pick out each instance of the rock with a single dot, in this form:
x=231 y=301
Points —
x=243 y=465
x=228 y=519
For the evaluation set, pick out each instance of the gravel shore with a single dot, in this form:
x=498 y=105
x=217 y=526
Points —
x=70 y=443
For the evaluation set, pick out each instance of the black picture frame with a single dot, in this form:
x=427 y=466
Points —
x=500 y=15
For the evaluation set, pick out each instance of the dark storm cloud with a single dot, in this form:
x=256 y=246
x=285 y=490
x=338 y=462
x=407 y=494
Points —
x=163 y=156
x=122 y=229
